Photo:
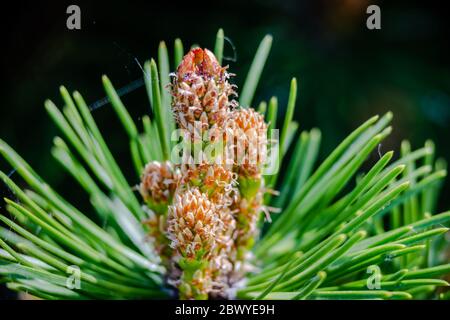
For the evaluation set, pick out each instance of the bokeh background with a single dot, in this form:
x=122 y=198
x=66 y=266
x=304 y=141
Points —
x=346 y=72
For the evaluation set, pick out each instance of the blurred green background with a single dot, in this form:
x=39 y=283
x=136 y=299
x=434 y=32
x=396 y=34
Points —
x=346 y=72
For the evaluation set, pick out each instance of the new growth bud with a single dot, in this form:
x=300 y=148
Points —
x=193 y=222
x=201 y=92
x=193 y=226
x=158 y=184
x=213 y=207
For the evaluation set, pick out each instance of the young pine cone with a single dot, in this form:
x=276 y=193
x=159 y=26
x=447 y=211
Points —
x=193 y=222
x=248 y=149
x=193 y=226
x=248 y=215
x=158 y=184
x=214 y=180
x=201 y=92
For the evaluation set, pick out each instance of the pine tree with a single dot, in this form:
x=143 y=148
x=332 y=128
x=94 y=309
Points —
x=209 y=230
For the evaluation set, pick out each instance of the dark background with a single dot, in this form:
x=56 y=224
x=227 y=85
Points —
x=346 y=72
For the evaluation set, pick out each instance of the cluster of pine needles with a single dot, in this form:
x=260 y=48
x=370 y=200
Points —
x=341 y=233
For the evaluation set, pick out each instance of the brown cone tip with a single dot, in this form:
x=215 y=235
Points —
x=199 y=61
